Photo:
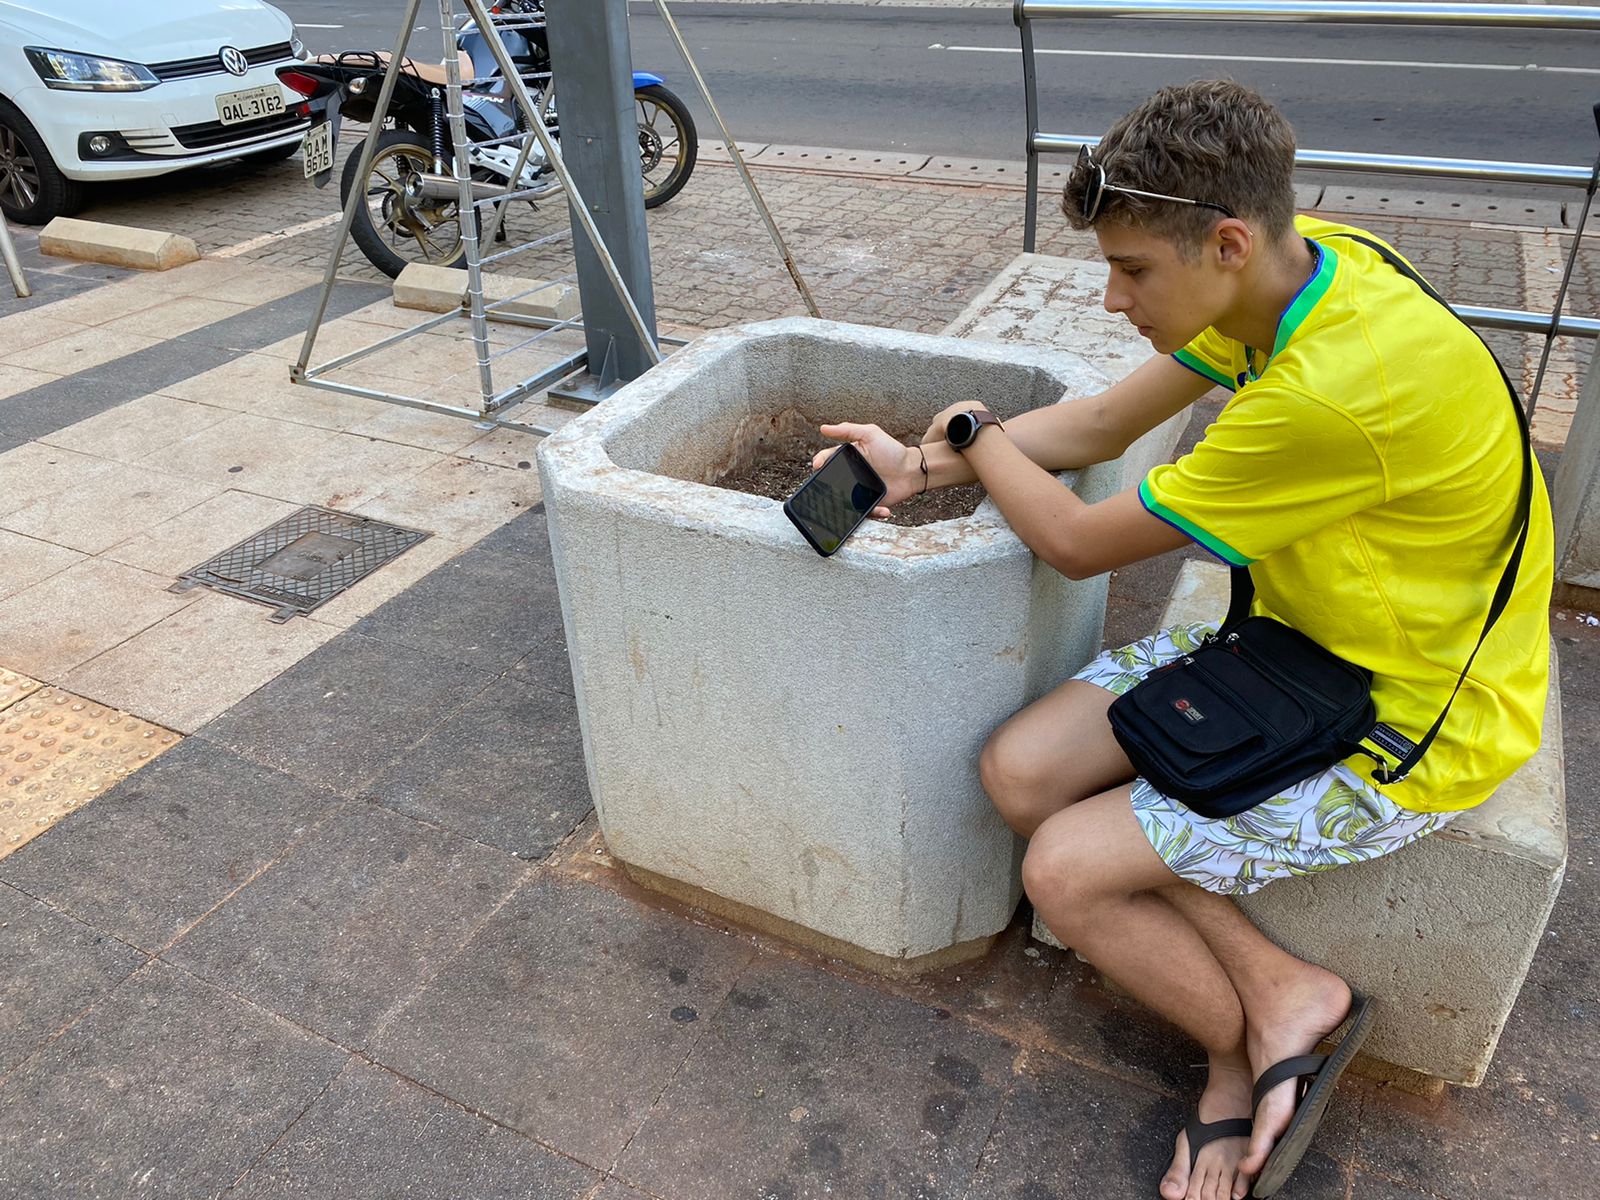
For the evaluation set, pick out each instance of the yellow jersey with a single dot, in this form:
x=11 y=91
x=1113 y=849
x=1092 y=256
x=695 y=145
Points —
x=1367 y=471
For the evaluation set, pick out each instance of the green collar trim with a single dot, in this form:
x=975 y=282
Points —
x=1313 y=290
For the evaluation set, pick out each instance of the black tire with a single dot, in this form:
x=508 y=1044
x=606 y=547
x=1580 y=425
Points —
x=33 y=190
x=276 y=155
x=666 y=155
x=382 y=227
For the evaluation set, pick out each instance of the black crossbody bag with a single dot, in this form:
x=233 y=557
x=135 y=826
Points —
x=1259 y=707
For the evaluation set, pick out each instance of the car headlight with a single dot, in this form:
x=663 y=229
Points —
x=297 y=47
x=71 y=72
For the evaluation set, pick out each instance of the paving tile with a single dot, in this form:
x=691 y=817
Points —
x=160 y=850
x=505 y=448
x=58 y=752
x=458 y=499
x=31 y=471
x=24 y=561
x=118 y=297
x=483 y=609
x=168 y=1088
x=396 y=575
x=808 y=1085
x=169 y=318
x=373 y=1136
x=351 y=921
x=341 y=715
x=1532 y=1121
x=246 y=452
x=527 y=534
x=115 y=504
x=25 y=330
x=67 y=619
x=19 y=379
x=249 y=284
x=130 y=431
x=566 y=1015
x=206 y=530
x=77 y=351
x=247 y=383
x=55 y=968
x=507 y=769
x=417 y=427
x=151 y=674
x=346 y=470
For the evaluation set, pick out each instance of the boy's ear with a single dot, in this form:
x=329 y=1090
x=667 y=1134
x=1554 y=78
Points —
x=1234 y=242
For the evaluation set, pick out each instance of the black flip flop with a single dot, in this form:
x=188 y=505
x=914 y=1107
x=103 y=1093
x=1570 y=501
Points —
x=1201 y=1134
x=1317 y=1074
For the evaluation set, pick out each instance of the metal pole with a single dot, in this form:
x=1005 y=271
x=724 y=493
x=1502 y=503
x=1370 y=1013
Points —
x=8 y=248
x=738 y=160
x=358 y=194
x=1030 y=92
x=519 y=92
x=591 y=66
x=466 y=213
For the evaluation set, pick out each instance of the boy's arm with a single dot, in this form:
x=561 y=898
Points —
x=1086 y=430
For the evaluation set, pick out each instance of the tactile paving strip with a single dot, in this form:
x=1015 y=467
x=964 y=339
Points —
x=14 y=687
x=59 y=751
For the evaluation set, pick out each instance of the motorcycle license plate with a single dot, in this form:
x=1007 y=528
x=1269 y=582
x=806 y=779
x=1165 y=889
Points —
x=318 y=149
x=249 y=105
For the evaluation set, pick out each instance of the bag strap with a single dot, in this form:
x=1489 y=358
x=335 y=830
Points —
x=1243 y=586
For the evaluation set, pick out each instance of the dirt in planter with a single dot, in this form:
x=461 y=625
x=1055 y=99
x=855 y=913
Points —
x=781 y=462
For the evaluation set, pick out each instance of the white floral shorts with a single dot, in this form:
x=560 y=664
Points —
x=1330 y=820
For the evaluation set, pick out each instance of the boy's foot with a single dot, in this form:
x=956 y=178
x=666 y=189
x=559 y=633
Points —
x=1299 y=1018
x=1216 y=1167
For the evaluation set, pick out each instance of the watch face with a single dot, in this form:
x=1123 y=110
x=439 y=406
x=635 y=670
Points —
x=960 y=429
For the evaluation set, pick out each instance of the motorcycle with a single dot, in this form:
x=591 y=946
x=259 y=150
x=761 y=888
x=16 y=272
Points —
x=412 y=210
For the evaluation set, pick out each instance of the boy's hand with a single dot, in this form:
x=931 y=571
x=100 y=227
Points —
x=936 y=430
x=898 y=466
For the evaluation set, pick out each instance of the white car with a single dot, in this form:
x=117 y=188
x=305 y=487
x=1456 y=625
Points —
x=122 y=89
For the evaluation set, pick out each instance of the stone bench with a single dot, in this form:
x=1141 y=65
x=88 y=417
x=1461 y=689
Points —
x=1442 y=932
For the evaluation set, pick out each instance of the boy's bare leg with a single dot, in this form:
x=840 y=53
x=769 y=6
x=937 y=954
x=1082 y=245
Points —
x=1032 y=773
x=1290 y=1005
x=1094 y=878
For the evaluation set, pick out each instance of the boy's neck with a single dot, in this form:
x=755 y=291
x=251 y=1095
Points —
x=1275 y=279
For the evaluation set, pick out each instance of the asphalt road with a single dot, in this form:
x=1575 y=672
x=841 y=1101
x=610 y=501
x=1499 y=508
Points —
x=949 y=81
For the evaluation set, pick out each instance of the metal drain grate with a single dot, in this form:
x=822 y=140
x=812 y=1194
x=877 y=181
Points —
x=303 y=561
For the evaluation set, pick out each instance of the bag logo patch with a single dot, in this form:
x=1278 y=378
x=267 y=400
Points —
x=1191 y=714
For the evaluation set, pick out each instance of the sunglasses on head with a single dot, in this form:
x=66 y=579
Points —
x=1096 y=187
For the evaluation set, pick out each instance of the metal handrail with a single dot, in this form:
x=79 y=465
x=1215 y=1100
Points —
x=1502 y=16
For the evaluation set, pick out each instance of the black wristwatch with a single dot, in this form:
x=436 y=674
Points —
x=962 y=429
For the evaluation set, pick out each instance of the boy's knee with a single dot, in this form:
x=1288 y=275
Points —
x=1051 y=878
x=1009 y=773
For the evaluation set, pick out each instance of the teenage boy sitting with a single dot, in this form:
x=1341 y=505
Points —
x=1367 y=470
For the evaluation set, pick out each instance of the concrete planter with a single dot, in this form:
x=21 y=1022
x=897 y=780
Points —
x=789 y=738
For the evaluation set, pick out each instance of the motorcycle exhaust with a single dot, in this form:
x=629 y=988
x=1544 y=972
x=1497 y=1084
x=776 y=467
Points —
x=427 y=186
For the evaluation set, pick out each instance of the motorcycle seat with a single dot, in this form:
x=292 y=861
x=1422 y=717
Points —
x=430 y=73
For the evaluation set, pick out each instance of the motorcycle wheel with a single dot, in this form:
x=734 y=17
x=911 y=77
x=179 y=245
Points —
x=391 y=232
x=667 y=145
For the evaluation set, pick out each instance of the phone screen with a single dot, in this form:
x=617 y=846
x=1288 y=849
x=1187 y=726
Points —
x=830 y=504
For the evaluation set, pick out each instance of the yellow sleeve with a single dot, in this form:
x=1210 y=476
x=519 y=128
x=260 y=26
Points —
x=1277 y=465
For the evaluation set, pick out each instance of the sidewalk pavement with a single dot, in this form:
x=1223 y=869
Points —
x=344 y=924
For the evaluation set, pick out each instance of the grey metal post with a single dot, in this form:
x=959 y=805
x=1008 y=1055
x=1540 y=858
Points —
x=8 y=250
x=592 y=70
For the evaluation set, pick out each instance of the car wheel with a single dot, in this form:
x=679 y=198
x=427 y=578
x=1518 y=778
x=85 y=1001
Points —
x=276 y=154
x=32 y=188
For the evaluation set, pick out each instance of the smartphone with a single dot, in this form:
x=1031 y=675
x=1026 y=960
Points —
x=827 y=507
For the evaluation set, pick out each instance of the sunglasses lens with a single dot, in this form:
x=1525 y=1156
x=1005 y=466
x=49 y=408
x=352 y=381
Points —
x=1093 y=193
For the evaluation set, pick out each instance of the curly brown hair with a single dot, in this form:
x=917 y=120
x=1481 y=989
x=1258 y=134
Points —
x=1211 y=140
